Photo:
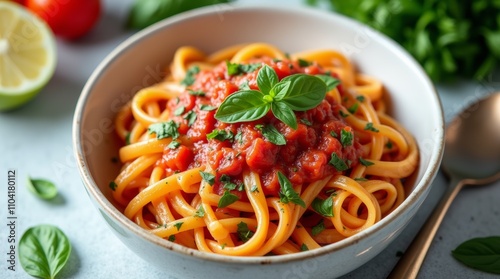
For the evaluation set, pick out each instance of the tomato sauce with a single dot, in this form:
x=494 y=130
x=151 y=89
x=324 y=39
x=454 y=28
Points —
x=305 y=157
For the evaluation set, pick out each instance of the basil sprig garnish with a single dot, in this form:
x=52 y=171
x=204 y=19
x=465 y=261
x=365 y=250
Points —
x=44 y=251
x=482 y=253
x=298 y=92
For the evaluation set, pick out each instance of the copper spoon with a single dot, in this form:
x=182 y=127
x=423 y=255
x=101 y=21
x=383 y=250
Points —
x=471 y=157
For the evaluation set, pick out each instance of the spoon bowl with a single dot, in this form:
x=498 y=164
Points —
x=471 y=157
x=472 y=141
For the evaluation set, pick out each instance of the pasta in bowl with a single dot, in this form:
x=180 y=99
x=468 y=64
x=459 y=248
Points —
x=253 y=154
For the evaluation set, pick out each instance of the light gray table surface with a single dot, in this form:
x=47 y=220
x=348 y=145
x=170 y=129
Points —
x=36 y=141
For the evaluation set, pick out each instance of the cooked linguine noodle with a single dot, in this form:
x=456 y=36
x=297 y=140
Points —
x=231 y=188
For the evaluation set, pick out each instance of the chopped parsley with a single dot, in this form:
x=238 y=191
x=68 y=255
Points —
x=196 y=93
x=333 y=134
x=337 y=162
x=352 y=109
x=323 y=207
x=227 y=199
x=305 y=122
x=346 y=138
x=190 y=117
x=303 y=62
x=164 y=130
x=318 y=228
x=178 y=225
x=287 y=193
x=369 y=127
x=112 y=185
x=207 y=107
x=388 y=144
x=343 y=114
x=239 y=137
x=238 y=69
x=208 y=177
x=254 y=188
x=127 y=138
x=221 y=135
x=174 y=144
x=304 y=247
x=190 y=75
x=179 y=111
x=244 y=85
x=200 y=212
x=360 y=98
x=171 y=238
x=364 y=162
x=243 y=232
x=271 y=134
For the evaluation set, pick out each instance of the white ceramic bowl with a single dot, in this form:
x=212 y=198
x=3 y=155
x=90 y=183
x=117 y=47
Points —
x=137 y=62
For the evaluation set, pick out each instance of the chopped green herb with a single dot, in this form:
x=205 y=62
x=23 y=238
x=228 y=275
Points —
x=178 y=225
x=244 y=85
x=164 y=129
x=227 y=199
x=346 y=138
x=239 y=137
x=272 y=134
x=369 y=127
x=243 y=232
x=173 y=144
x=208 y=177
x=171 y=238
x=388 y=144
x=365 y=162
x=127 y=138
x=190 y=117
x=196 y=93
x=237 y=69
x=254 y=188
x=207 y=107
x=304 y=247
x=343 y=114
x=179 y=111
x=333 y=134
x=303 y=62
x=200 y=212
x=113 y=185
x=360 y=98
x=190 y=75
x=318 y=228
x=360 y=179
x=287 y=193
x=221 y=135
x=305 y=122
x=338 y=163
x=323 y=207
x=352 y=109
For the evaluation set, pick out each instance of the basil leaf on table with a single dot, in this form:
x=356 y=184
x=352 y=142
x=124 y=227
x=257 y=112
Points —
x=43 y=251
x=42 y=188
x=147 y=12
x=480 y=253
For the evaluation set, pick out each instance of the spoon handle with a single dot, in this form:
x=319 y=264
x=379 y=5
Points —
x=412 y=259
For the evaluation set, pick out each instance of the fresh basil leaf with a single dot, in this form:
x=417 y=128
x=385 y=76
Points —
x=43 y=251
x=346 y=138
x=305 y=92
x=242 y=106
x=284 y=113
x=273 y=135
x=244 y=86
x=303 y=62
x=330 y=81
x=147 y=12
x=480 y=253
x=337 y=162
x=190 y=75
x=164 y=130
x=323 y=207
x=232 y=68
x=179 y=111
x=174 y=144
x=287 y=193
x=227 y=199
x=266 y=79
x=42 y=188
x=208 y=177
x=244 y=233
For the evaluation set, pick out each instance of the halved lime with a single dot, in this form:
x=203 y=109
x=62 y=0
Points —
x=27 y=55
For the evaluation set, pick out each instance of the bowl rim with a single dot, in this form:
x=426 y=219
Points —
x=421 y=188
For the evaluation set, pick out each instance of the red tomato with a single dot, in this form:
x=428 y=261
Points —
x=68 y=19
